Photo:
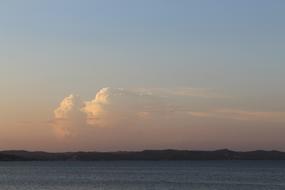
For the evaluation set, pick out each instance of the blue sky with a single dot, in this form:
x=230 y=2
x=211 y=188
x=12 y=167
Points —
x=206 y=39
x=49 y=49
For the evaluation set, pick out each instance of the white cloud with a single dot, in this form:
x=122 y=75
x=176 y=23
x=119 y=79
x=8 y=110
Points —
x=111 y=107
x=118 y=107
x=67 y=117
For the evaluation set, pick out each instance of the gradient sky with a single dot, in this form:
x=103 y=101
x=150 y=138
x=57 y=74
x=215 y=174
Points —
x=180 y=74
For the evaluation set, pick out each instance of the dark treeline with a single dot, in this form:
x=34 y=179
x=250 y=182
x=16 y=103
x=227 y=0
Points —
x=142 y=155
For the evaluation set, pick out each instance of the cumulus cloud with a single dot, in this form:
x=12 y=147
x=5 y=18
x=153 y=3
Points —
x=67 y=117
x=133 y=119
x=118 y=107
x=111 y=107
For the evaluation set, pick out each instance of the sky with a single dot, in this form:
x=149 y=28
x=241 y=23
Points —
x=111 y=75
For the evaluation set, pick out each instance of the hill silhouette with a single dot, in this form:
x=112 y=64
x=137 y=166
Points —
x=223 y=154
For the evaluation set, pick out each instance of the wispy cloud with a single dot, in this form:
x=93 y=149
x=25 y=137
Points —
x=245 y=115
x=183 y=91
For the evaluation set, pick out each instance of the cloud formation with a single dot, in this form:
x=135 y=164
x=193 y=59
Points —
x=68 y=116
x=182 y=92
x=118 y=107
x=145 y=108
x=243 y=115
x=110 y=107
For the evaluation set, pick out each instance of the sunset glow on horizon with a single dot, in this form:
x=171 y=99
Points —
x=135 y=75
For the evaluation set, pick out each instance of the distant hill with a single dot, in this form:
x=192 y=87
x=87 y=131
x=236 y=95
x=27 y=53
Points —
x=142 y=155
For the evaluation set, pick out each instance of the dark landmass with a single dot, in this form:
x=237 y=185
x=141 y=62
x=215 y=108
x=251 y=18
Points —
x=142 y=155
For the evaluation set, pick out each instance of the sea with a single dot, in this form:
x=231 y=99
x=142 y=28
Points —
x=143 y=175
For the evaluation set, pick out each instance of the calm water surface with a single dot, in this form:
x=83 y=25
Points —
x=141 y=175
